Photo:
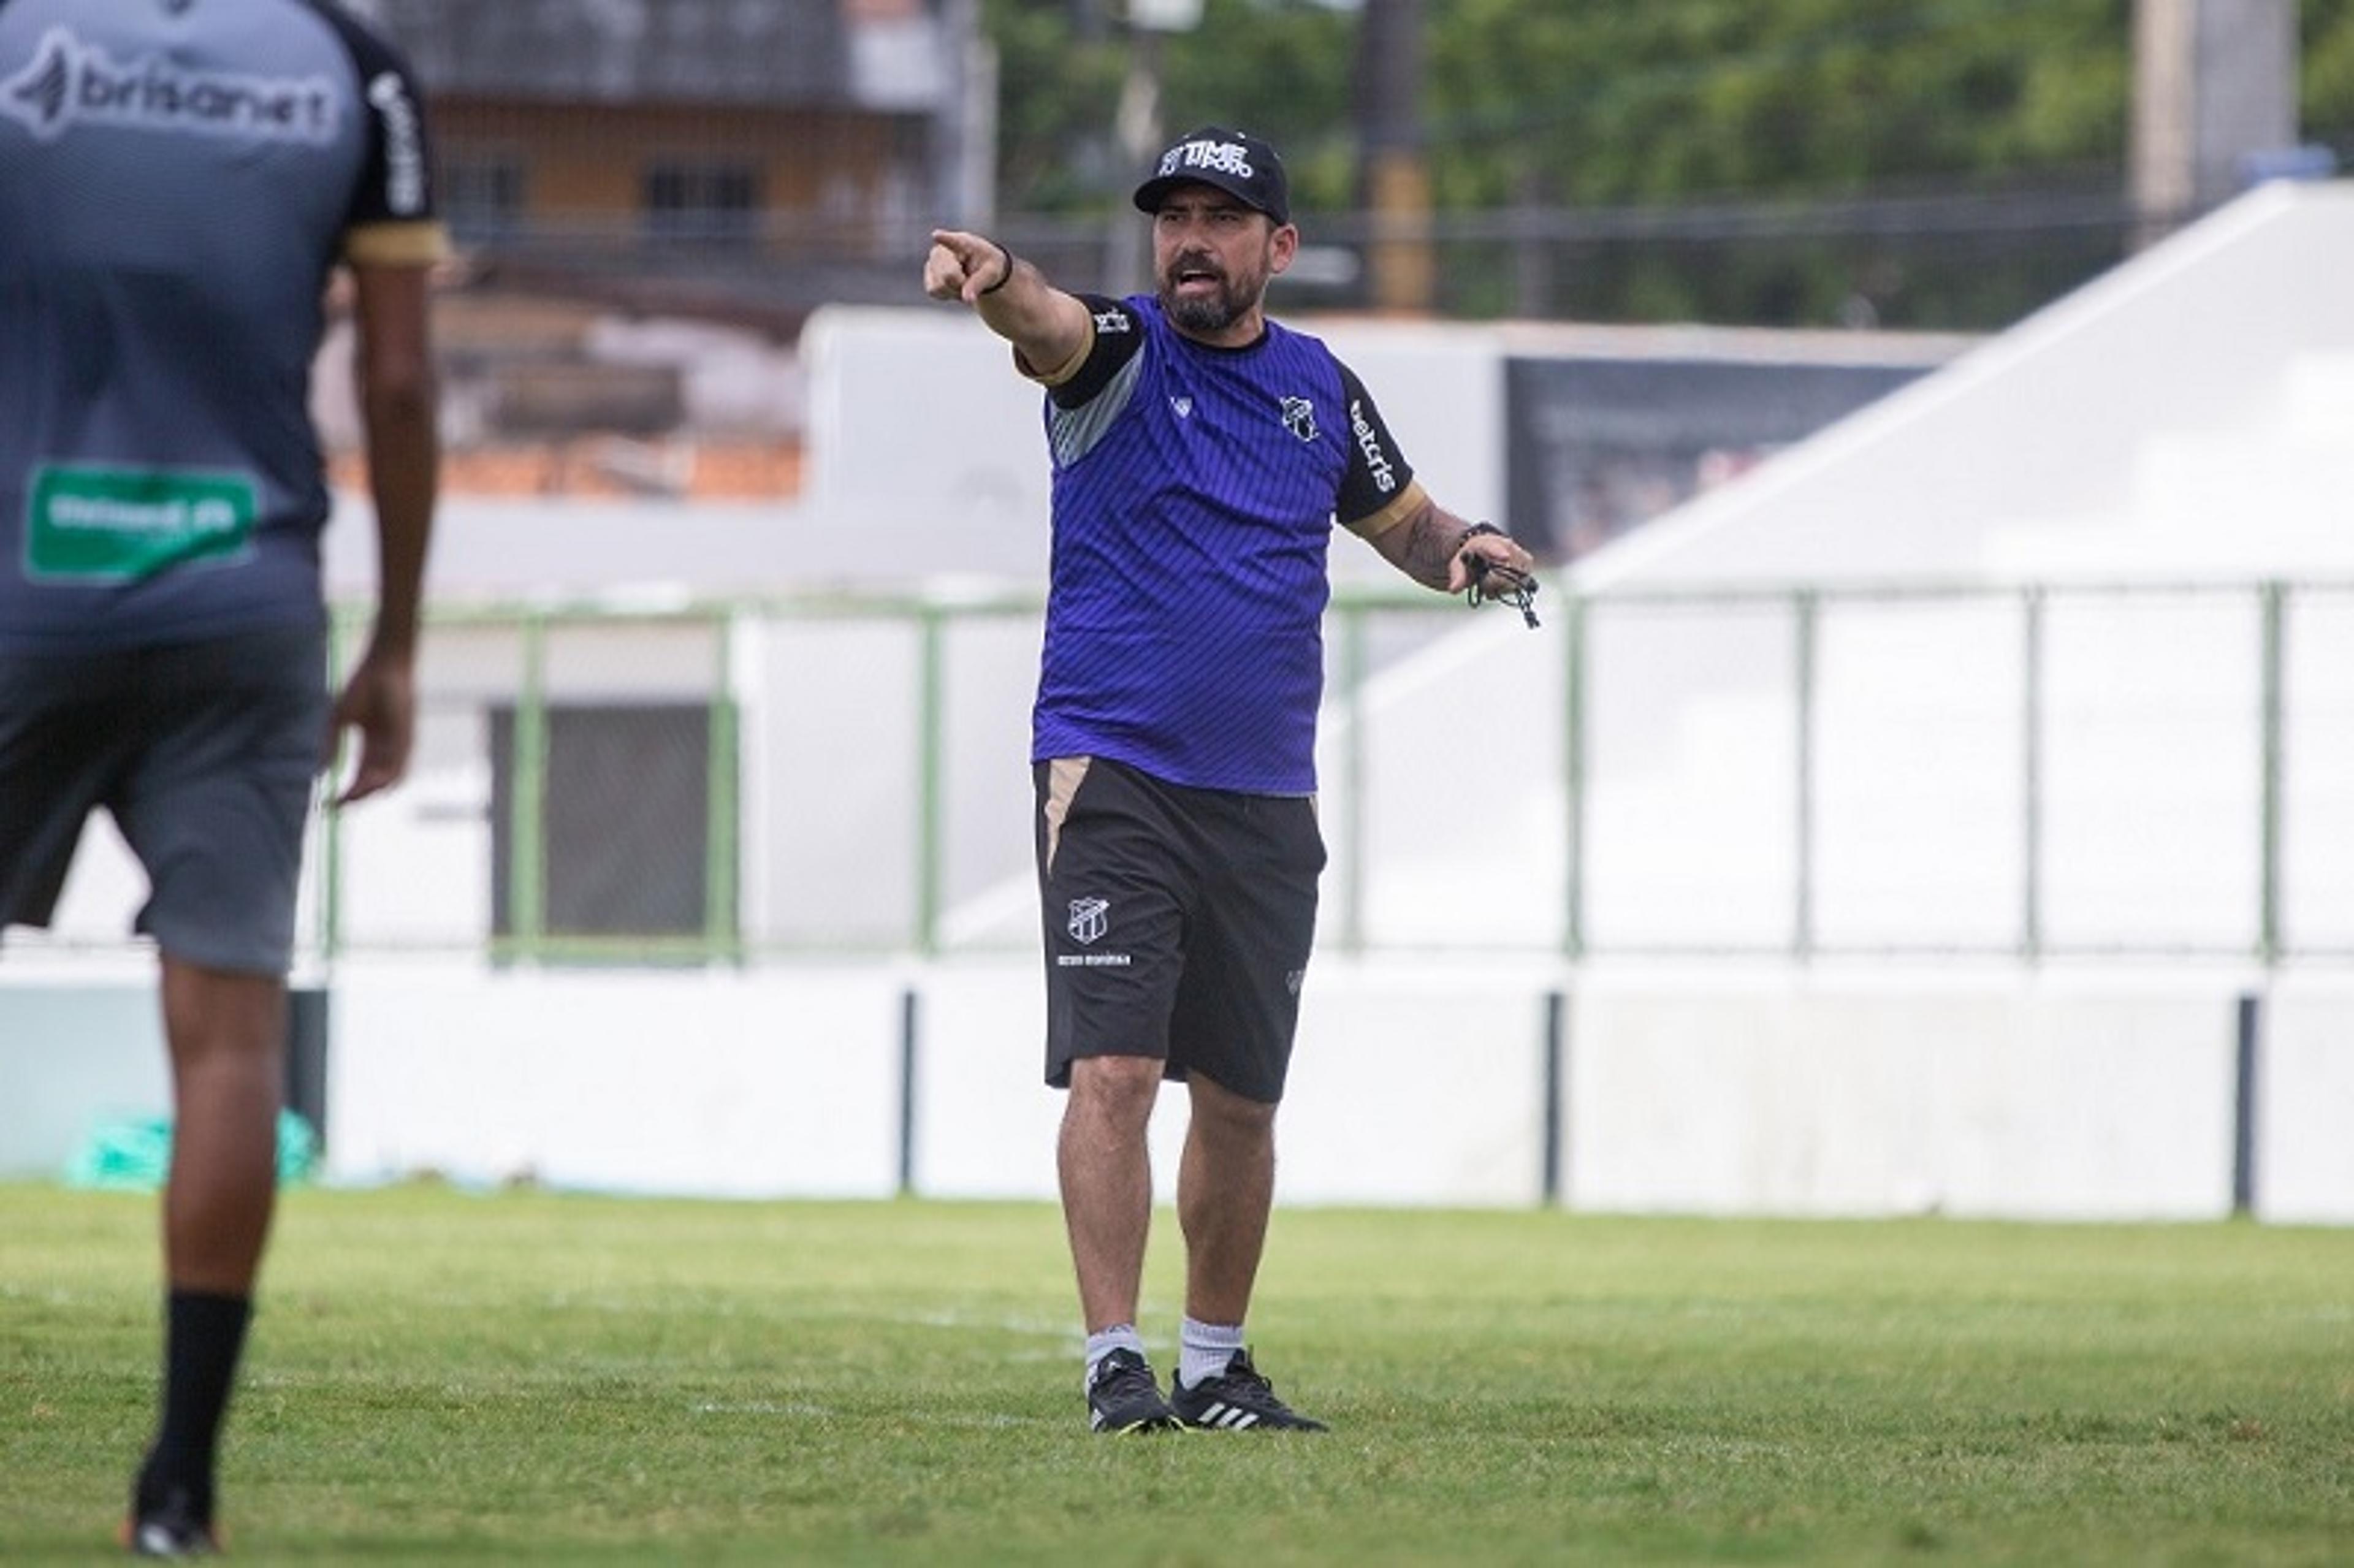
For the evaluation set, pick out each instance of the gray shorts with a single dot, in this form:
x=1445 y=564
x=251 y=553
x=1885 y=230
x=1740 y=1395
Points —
x=203 y=753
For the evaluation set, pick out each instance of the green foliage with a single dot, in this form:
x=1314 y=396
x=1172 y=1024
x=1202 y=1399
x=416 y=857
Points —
x=1057 y=90
x=1579 y=106
x=1290 y=83
x=1061 y=66
x=2327 y=58
x=1628 y=102
x=531 y=1378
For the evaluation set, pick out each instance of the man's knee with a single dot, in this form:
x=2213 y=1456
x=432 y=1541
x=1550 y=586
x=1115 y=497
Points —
x=212 y=1013
x=1120 y=1088
x=1221 y=1111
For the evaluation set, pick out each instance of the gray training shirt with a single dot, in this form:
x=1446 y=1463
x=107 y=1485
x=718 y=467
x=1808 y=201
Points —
x=177 y=177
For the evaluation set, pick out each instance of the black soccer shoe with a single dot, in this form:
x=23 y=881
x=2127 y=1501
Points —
x=171 y=1526
x=1123 y=1397
x=1237 y=1400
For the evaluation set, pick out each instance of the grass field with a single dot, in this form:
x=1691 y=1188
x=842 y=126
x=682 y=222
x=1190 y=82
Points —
x=527 y=1378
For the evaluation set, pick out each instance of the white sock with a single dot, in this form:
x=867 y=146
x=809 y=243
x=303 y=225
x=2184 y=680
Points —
x=1204 y=1349
x=1119 y=1337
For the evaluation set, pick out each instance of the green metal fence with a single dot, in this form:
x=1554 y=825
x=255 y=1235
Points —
x=856 y=784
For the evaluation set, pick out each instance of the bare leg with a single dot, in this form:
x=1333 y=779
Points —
x=1226 y=1185
x=1107 y=1178
x=228 y=1037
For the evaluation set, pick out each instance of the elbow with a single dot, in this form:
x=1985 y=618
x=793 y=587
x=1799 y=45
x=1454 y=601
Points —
x=403 y=398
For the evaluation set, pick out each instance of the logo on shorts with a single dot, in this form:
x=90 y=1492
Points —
x=1299 y=418
x=1292 y=981
x=1090 y=918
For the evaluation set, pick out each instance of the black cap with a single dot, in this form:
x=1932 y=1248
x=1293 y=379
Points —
x=1236 y=162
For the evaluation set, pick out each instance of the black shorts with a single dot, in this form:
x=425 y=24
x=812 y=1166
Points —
x=203 y=753
x=1178 y=923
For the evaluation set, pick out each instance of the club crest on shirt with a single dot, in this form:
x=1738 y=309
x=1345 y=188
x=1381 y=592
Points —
x=1184 y=407
x=1090 y=918
x=1299 y=418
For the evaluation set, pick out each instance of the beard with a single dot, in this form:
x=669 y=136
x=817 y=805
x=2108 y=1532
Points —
x=1208 y=314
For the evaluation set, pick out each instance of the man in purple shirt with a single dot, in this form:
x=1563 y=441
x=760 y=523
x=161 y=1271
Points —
x=1202 y=454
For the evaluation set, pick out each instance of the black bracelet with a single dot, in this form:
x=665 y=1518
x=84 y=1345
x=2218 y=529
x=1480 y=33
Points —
x=1474 y=531
x=1007 y=276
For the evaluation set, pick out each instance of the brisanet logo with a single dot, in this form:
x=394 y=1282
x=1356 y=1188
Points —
x=69 y=83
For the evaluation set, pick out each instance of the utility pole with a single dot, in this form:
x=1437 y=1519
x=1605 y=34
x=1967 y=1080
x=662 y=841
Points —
x=1394 y=170
x=965 y=124
x=1138 y=130
x=2215 y=101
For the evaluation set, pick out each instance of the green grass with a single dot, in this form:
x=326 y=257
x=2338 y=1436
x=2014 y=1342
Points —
x=438 y=1378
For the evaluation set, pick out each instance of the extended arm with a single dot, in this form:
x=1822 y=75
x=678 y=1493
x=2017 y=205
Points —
x=394 y=371
x=1048 y=327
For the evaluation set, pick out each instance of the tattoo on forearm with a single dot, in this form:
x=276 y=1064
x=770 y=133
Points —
x=1430 y=546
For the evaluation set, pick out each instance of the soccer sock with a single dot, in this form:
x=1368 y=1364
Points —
x=1119 y=1337
x=203 y=1337
x=1204 y=1349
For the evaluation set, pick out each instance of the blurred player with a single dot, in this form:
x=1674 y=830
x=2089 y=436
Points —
x=1201 y=455
x=177 y=178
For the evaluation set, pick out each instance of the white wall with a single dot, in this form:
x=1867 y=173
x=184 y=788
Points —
x=2071 y=1095
x=75 y=1054
x=709 y=1083
x=2305 y=1103
x=1925 y=1093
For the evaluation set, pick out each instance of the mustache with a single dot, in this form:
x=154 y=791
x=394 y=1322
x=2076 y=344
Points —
x=1196 y=261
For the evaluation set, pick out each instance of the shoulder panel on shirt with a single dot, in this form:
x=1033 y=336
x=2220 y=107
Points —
x=1073 y=433
x=396 y=183
x=1379 y=476
x=1114 y=336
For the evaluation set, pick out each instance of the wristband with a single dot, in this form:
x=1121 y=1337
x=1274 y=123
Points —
x=1005 y=277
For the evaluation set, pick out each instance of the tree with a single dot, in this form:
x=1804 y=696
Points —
x=1929 y=162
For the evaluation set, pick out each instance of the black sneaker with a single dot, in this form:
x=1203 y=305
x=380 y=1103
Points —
x=173 y=1526
x=1237 y=1400
x=1123 y=1397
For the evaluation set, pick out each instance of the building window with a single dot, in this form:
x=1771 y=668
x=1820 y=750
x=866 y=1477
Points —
x=482 y=195
x=625 y=825
x=703 y=202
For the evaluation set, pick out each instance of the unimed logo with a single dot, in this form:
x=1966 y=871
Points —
x=69 y=82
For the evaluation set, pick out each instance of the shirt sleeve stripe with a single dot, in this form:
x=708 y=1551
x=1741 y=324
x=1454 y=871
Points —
x=397 y=244
x=1402 y=505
